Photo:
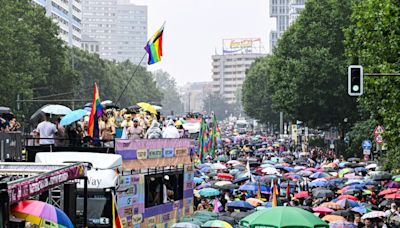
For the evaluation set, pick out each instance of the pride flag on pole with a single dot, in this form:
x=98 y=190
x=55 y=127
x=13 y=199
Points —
x=95 y=114
x=154 y=46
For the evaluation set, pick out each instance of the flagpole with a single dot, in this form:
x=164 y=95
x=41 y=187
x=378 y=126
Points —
x=130 y=79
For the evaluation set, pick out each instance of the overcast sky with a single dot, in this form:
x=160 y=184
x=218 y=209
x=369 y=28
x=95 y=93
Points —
x=195 y=28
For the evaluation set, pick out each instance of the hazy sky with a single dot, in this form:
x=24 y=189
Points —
x=195 y=28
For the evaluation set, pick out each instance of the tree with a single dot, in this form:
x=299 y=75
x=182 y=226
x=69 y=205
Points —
x=373 y=40
x=33 y=61
x=218 y=105
x=307 y=71
x=171 y=101
x=256 y=94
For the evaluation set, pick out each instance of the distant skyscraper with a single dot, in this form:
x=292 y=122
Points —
x=68 y=15
x=119 y=27
x=285 y=12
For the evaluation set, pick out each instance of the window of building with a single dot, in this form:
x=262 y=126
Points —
x=163 y=188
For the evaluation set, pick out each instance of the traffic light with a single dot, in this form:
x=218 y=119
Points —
x=355 y=80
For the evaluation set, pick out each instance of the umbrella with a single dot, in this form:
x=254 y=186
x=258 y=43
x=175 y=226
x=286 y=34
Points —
x=222 y=183
x=217 y=224
x=374 y=214
x=185 y=225
x=198 y=180
x=388 y=191
x=347 y=203
x=353 y=159
x=234 y=162
x=341 y=224
x=323 y=210
x=371 y=166
x=361 y=210
x=268 y=178
x=227 y=219
x=222 y=158
x=304 y=173
x=241 y=205
x=270 y=170
x=319 y=175
x=381 y=176
x=332 y=205
x=205 y=185
x=42 y=214
x=318 y=184
x=300 y=195
x=240 y=215
x=252 y=186
x=393 y=196
x=224 y=176
x=192 y=220
x=241 y=179
x=73 y=116
x=278 y=217
x=392 y=184
x=218 y=166
x=56 y=109
x=4 y=110
x=228 y=187
x=209 y=192
x=333 y=218
x=254 y=202
x=344 y=213
x=350 y=197
x=148 y=107
x=323 y=193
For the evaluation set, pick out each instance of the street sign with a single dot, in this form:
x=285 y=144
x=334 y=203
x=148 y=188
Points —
x=379 y=130
x=332 y=146
x=366 y=144
x=378 y=139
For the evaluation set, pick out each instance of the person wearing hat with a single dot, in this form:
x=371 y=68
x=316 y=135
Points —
x=136 y=131
x=127 y=121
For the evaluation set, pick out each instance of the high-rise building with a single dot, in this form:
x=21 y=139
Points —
x=285 y=12
x=193 y=95
x=229 y=72
x=119 y=27
x=229 y=69
x=68 y=15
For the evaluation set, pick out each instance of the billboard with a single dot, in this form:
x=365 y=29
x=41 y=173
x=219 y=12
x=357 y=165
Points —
x=241 y=45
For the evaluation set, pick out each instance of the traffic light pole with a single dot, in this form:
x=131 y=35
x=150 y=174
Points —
x=381 y=74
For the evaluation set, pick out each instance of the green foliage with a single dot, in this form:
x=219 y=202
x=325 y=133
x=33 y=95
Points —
x=36 y=63
x=215 y=103
x=306 y=75
x=171 y=101
x=256 y=95
x=361 y=131
x=373 y=40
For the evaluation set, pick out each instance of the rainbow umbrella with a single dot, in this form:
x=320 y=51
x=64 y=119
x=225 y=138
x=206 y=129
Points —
x=42 y=214
x=217 y=224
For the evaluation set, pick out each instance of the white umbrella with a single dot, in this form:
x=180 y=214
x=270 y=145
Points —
x=374 y=214
x=222 y=183
x=270 y=170
x=371 y=166
x=56 y=109
x=218 y=165
x=185 y=225
x=235 y=162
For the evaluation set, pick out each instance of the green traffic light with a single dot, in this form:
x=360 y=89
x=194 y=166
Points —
x=356 y=87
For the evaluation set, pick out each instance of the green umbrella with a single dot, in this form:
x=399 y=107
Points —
x=222 y=158
x=217 y=224
x=209 y=192
x=275 y=159
x=192 y=220
x=232 y=152
x=282 y=217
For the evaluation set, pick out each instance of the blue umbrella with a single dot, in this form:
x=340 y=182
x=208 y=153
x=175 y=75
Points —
x=200 y=166
x=197 y=180
x=205 y=169
x=254 y=187
x=361 y=210
x=73 y=116
x=319 y=175
x=347 y=203
x=240 y=205
x=361 y=169
x=318 y=184
x=241 y=179
x=288 y=169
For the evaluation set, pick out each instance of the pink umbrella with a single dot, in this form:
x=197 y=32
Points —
x=323 y=210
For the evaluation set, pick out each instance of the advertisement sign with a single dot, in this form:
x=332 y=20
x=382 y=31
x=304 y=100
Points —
x=246 y=45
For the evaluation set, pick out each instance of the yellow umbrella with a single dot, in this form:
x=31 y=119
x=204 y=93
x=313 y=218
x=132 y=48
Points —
x=148 y=107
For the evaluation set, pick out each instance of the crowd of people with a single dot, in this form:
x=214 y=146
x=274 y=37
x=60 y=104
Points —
x=112 y=124
x=244 y=170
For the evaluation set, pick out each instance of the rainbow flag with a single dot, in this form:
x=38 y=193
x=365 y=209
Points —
x=95 y=114
x=116 y=219
x=154 y=46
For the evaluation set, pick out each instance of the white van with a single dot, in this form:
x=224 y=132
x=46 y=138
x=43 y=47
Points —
x=103 y=177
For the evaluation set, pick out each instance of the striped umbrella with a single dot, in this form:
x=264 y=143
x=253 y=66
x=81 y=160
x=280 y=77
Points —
x=42 y=214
